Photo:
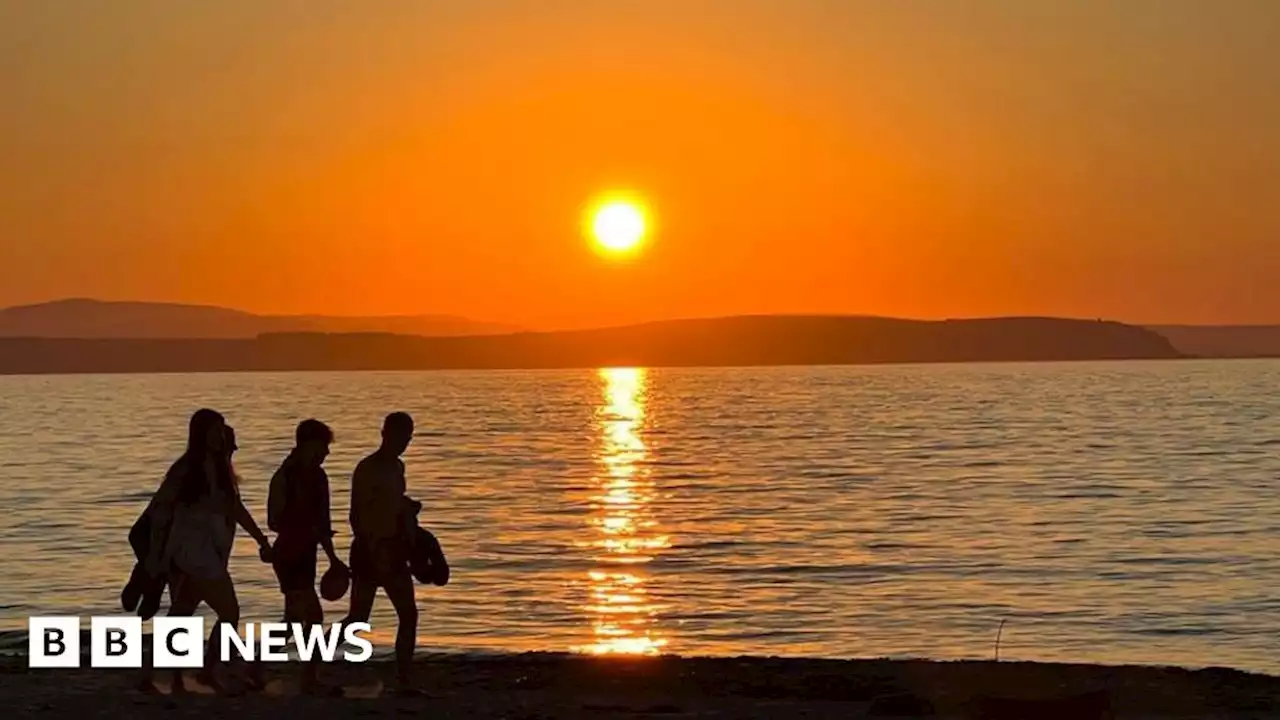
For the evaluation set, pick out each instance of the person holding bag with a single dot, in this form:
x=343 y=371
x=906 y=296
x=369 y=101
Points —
x=187 y=532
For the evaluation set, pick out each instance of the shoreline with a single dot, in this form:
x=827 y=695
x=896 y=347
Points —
x=554 y=685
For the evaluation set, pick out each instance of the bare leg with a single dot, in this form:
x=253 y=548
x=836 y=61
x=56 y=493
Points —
x=362 y=595
x=257 y=671
x=399 y=589
x=184 y=599
x=361 y=604
x=304 y=607
x=220 y=595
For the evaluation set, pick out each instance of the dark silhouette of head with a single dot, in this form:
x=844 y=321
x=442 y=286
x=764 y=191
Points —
x=209 y=445
x=311 y=441
x=397 y=432
x=206 y=434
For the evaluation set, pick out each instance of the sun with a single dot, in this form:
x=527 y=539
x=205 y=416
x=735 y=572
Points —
x=618 y=225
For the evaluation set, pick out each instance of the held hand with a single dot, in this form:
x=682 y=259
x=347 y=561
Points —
x=265 y=552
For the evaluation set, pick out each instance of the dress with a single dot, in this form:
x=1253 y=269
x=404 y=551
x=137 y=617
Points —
x=198 y=535
x=200 y=540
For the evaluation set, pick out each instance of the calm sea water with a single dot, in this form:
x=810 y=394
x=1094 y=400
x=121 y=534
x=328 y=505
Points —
x=1108 y=512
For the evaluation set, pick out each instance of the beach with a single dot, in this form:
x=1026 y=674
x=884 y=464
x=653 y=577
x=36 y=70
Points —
x=541 y=686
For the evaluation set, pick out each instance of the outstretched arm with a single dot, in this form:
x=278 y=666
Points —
x=245 y=520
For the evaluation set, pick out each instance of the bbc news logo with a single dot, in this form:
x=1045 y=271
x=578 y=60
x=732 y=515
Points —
x=179 y=642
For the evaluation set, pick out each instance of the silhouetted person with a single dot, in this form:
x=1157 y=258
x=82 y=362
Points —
x=298 y=512
x=381 y=518
x=193 y=521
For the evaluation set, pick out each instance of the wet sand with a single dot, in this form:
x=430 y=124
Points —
x=541 y=686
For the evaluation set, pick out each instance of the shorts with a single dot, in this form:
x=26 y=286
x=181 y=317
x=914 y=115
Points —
x=380 y=561
x=296 y=569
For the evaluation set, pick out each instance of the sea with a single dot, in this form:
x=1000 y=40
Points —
x=1108 y=512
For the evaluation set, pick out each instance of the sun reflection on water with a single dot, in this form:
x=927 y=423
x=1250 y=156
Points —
x=626 y=534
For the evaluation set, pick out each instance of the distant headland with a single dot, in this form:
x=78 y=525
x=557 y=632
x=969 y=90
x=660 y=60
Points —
x=83 y=318
x=729 y=341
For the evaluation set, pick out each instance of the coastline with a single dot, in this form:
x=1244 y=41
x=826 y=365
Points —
x=545 y=685
x=746 y=341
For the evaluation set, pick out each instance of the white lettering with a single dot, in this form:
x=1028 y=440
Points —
x=177 y=642
x=351 y=638
x=53 y=642
x=274 y=636
x=244 y=646
x=316 y=637
x=115 y=642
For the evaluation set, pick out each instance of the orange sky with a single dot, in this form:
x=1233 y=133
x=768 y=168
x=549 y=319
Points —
x=903 y=157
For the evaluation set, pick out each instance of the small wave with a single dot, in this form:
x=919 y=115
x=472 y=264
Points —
x=844 y=571
x=1087 y=495
x=1157 y=560
x=136 y=495
x=715 y=544
x=1179 y=631
x=13 y=639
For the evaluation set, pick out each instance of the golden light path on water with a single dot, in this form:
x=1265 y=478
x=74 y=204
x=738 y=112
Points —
x=626 y=536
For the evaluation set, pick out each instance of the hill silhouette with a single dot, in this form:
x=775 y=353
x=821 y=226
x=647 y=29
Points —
x=84 y=318
x=733 y=341
x=1224 y=341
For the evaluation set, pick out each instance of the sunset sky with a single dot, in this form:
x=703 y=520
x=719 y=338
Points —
x=912 y=158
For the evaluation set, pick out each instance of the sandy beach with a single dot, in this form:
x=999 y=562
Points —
x=538 y=686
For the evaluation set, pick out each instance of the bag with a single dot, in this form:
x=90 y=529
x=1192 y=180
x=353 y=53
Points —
x=426 y=559
x=334 y=583
x=142 y=593
x=140 y=536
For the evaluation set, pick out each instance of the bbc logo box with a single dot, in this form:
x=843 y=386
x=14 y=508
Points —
x=115 y=642
x=179 y=642
x=53 y=642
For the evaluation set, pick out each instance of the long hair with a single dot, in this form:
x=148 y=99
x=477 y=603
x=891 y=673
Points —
x=197 y=484
x=230 y=449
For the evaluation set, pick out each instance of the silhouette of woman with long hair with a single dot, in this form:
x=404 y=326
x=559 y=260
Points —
x=194 y=516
